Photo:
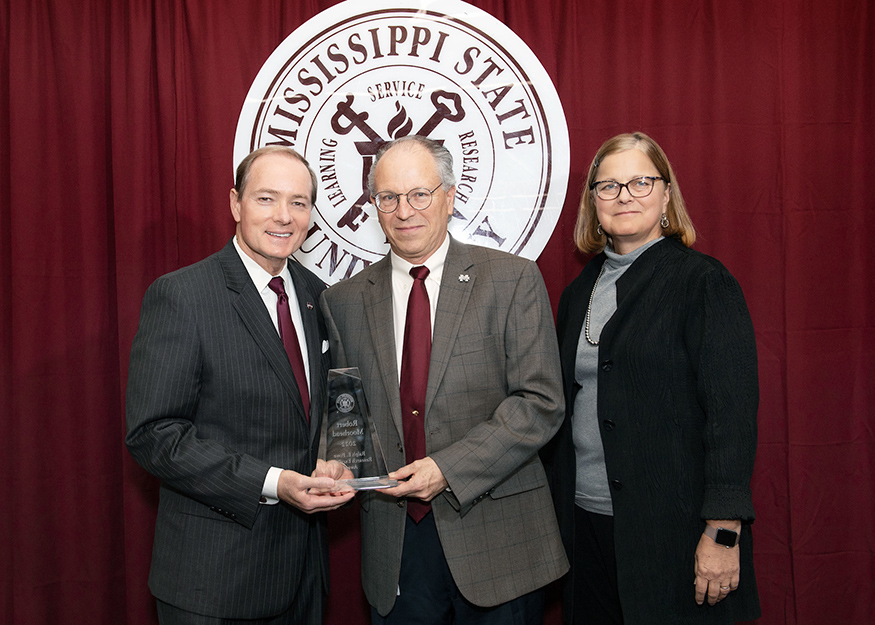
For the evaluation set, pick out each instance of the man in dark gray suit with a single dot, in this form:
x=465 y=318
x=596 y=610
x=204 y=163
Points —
x=216 y=411
x=468 y=447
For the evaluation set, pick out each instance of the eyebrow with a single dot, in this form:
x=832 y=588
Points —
x=275 y=192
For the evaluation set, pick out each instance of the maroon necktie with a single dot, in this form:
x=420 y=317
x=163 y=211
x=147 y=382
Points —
x=290 y=340
x=414 y=378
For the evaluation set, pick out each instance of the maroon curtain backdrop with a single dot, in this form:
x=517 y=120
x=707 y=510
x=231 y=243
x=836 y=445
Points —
x=116 y=129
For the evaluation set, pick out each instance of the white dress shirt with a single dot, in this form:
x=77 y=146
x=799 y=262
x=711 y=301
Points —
x=402 y=282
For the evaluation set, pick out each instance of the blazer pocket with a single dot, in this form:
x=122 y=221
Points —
x=474 y=344
x=476 y=370
x=528 y=477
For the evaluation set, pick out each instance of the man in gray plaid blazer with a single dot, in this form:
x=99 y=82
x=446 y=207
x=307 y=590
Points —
x=490 y=541
x=216 y=412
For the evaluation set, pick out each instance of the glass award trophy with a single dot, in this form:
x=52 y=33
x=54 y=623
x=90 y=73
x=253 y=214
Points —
x=349 y=434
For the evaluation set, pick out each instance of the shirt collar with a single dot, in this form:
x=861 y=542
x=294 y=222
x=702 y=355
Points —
x=256 y=272
x=435 y=262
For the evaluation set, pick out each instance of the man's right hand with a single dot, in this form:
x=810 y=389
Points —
x=311 y=494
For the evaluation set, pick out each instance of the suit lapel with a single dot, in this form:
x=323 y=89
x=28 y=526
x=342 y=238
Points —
x=380 y=319
x=254 y=315
x=452 y=301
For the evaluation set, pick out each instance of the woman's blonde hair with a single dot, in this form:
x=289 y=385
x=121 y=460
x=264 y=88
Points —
x=586 y=230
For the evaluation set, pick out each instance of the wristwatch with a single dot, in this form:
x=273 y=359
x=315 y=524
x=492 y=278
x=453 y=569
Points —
x=722 y=536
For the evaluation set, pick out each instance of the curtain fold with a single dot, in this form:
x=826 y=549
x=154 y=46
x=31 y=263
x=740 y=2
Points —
x=117 y=123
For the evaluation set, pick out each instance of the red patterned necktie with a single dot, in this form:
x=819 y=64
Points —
x=290 y=340
x=414 y=378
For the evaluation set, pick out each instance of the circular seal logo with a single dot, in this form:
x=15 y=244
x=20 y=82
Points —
x=360 y=74
x=344 y=402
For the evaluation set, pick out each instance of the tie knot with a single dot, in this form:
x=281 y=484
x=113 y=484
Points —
x=419 y=273
x=276 y=285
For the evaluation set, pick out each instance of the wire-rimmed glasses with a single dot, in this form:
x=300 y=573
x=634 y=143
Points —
x=419 y=198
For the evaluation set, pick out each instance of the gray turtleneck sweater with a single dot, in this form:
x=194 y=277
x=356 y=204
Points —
x=593 y=493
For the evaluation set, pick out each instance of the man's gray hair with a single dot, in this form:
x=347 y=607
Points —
x=442 y=158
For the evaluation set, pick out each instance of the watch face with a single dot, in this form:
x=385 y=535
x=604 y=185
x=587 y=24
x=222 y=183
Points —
x=726 y=537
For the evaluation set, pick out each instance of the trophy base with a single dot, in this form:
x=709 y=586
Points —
x=368 y=483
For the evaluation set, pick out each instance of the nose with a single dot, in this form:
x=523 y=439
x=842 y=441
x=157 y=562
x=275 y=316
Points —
x=283 y=213
x=405 y=210
x=628 y=197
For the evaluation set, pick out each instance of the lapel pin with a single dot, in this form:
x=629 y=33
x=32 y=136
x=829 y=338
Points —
x=463 y=277
x=309 y=305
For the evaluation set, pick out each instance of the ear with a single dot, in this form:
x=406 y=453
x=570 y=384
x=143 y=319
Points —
x=235 y=204
x=666 y=197
x=451 y=197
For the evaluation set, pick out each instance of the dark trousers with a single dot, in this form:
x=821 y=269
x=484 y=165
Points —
x=297 y=614
x=429 y=596
x=306 y=609
x=303 y=611
x=596 y=597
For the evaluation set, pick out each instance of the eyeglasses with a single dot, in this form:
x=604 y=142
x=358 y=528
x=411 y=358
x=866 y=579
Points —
x=637 y=187
x=419 y=198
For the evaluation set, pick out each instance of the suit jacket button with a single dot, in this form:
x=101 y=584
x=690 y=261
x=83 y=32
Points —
x=607 y=365
x=617 y=484
x=400 y=448
x=400 y=503
x=609 y=425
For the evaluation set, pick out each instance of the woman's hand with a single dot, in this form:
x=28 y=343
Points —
x=717 y=568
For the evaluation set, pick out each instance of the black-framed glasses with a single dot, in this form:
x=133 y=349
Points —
x=642 y=186
x=419 y=198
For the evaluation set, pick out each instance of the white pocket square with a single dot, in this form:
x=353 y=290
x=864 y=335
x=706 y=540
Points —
x=324 y=346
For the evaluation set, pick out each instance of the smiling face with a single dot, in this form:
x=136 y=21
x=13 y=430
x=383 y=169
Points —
x=414 y=235
x=630 y=221
x=273 y=211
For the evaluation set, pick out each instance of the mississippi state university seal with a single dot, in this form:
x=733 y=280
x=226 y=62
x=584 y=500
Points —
x=345 y=403
x=359 y=74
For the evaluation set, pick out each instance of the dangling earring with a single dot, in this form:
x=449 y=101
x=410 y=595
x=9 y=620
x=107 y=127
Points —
x=599 y=230
x=664 y=221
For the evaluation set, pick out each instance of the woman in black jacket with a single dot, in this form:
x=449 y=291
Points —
x=652 y=467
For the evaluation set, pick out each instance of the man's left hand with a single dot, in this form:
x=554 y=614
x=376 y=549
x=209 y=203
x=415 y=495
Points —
x=421 y=479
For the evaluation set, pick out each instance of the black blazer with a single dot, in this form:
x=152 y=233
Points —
x=212 y=404
x=677 y=404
